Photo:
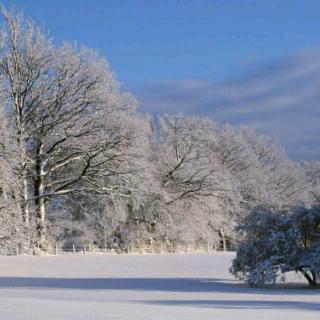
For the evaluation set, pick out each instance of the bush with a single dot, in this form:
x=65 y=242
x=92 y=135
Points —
x=278 y=242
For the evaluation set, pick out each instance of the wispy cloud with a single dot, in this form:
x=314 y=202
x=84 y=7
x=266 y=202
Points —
x=280 y=97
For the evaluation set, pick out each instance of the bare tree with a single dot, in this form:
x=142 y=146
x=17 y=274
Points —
x=264 y=172
x=188 y=167
x=312 y=172
x=197 y=192
x=71 y=123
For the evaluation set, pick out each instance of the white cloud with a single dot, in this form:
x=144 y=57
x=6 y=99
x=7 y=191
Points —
x=281 y=97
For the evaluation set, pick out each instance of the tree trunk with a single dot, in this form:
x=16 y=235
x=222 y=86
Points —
x=41 y=213
x=39 y=199
x=4 y=193
x=22 y=143
x=25 y=204
x=315 y=278
x=311 y=278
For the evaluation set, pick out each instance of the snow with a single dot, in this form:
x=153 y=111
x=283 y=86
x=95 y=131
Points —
x=180 y=286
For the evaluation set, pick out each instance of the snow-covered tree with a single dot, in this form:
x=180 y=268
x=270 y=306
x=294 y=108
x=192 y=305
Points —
x=197 y=191
x=278 y=242
x=262 y=169
x=312 y=174
x=71 y=122
x=75 y=156
x=187 y=166
x=13 y=231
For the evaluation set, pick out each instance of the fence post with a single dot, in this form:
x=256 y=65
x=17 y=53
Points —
x=73 y=248
x=5 y=251
x=56 y=249
x=224 y=242
x=17 y=250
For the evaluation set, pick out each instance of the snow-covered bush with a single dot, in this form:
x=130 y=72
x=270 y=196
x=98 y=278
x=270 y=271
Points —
x=278 y=242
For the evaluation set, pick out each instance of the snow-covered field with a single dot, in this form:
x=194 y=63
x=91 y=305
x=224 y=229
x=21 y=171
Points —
x=182 y=286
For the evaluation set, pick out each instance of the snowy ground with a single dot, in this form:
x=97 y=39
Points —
x=190 y=286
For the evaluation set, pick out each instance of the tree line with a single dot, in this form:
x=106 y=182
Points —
x=80 y=164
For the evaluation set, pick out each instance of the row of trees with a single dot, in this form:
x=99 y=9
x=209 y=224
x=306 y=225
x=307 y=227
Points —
x=79 y=164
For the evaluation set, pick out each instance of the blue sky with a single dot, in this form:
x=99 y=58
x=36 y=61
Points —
x=171 y=40
x=201 y=52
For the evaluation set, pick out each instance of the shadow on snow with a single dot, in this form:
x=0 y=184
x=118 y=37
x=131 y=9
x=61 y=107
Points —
x=240 y=304
x=151 y=284
x=186 y=285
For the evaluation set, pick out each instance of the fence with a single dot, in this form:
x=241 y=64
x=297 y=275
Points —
x=147 y=248
x=55 y=251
